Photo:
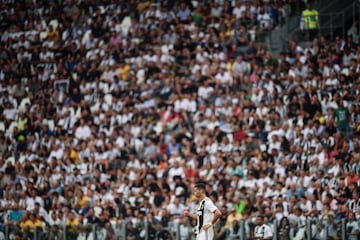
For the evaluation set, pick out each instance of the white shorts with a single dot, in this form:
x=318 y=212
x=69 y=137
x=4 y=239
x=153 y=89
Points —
x=206 y=234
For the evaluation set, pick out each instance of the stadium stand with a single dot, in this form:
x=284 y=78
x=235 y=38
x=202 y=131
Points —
x=111 y=111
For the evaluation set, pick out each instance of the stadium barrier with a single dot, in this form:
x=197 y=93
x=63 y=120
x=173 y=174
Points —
x=309 y=229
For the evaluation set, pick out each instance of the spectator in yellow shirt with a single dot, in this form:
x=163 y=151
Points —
x=72 y=224
x=32 y=223
x=124 y=70
x=232 y=217
x=72 y=220
x=83 y=199
x=72 y=153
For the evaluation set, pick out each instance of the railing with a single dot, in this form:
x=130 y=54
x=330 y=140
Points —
x=356 y=11
x=242 y=34
x=329 y=25
x=109 y=231
x=293 y=18
x=309 y=229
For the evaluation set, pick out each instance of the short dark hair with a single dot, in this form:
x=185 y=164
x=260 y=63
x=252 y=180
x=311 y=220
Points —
x=200 y=186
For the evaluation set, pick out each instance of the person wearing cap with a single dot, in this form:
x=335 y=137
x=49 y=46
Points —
x=206 y=216
x=329 y=230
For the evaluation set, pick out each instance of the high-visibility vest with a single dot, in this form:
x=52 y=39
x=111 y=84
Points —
x=310 y=18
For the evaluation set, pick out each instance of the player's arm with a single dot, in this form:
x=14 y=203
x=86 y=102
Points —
x=217 y=215
x=193 y=216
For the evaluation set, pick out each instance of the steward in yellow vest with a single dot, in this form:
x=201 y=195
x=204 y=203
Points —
x=310 y=20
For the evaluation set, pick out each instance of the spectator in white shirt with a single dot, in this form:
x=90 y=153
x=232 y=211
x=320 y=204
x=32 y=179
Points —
x=56 y=152
x=240 y=67
x=224 y=78
x=205 y=90
x=83 y=131
x=176 y=207
x=176 y=170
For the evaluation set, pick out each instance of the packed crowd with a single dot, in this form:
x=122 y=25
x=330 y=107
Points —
x=111 y=111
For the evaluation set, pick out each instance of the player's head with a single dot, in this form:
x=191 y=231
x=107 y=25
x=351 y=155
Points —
x=200 y=186
x=199 y=190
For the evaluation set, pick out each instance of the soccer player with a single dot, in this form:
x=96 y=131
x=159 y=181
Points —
x=206 y=216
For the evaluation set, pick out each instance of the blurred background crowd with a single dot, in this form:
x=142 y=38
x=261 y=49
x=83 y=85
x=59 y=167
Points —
x=110 y=112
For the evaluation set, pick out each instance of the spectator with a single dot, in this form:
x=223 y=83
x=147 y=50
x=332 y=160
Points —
x=352 y=227
x=176 y=207
x=183 y=13
x=262 y=230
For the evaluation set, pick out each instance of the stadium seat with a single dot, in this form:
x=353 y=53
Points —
x=125 y=25
x=51 y=124
x=23 y=103
x=108 y=98
x=11 y=127
x=54 y=23
x=43 y=36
